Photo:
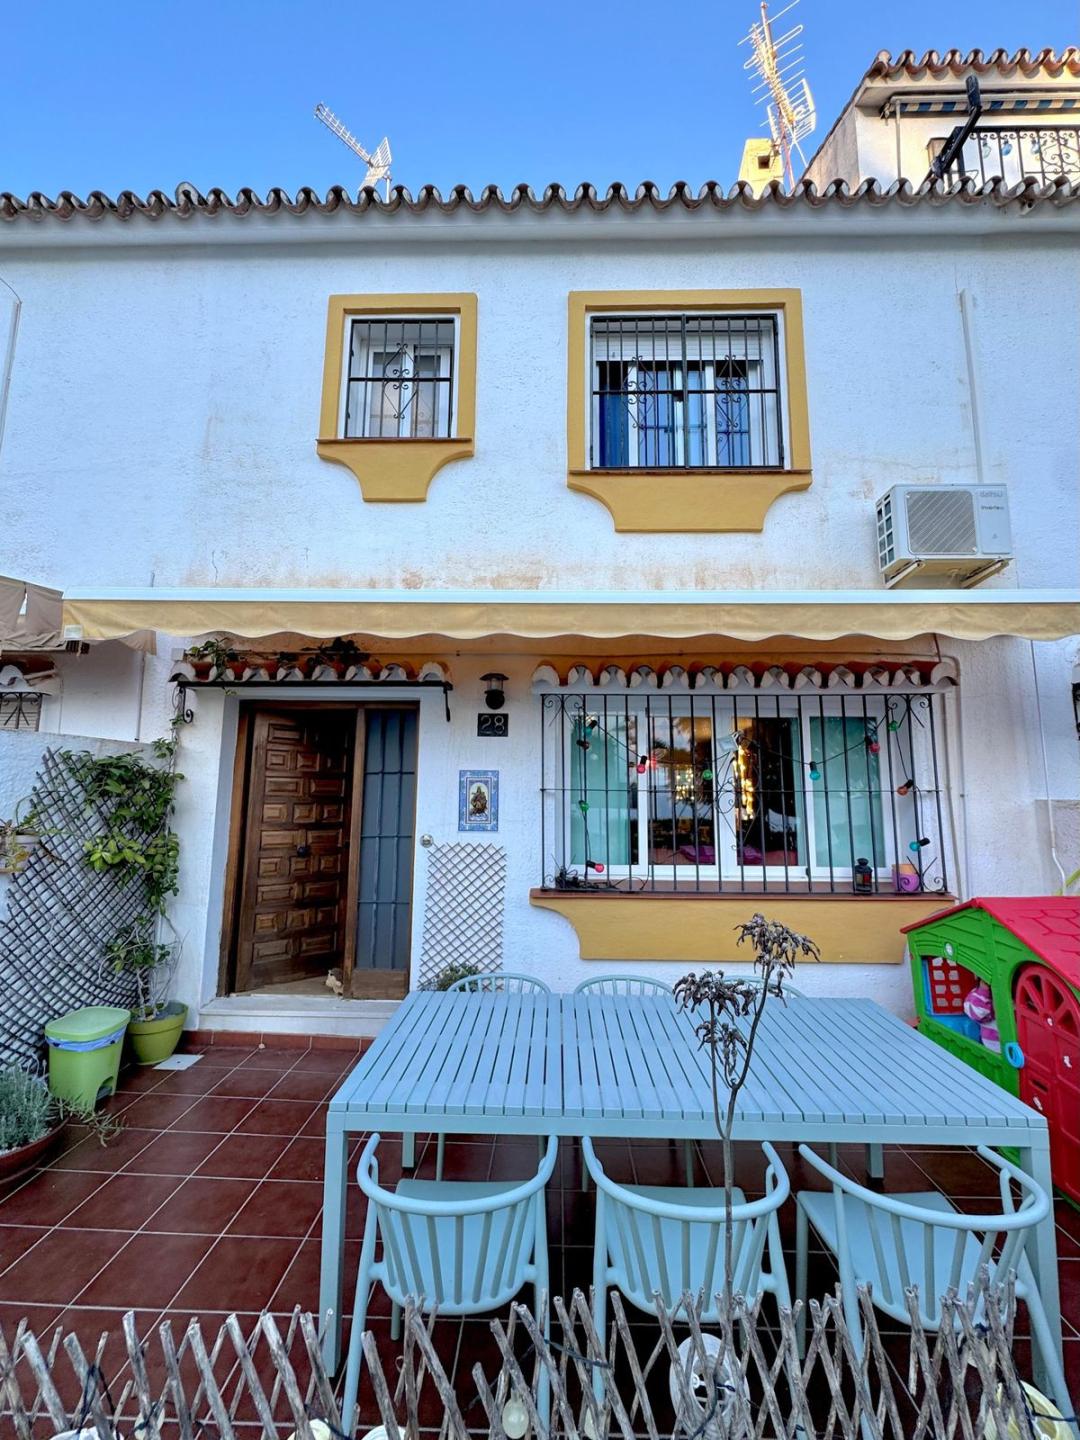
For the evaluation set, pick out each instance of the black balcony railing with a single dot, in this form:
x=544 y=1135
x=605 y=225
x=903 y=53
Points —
x=1013 y=153
x=744 y=793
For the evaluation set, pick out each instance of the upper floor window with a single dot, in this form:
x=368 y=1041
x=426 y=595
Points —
x=686 y=391
x=400 y=379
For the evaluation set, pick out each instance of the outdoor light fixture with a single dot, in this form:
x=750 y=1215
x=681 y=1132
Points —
x=494 y=694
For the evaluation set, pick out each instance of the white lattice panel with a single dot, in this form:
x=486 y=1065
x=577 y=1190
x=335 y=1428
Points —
x=463 y=913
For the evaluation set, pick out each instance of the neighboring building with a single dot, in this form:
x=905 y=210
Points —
x=617 y=458
x=761 y=164
x=904 y=110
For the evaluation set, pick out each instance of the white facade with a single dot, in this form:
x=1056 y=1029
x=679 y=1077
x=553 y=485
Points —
x=161 y=429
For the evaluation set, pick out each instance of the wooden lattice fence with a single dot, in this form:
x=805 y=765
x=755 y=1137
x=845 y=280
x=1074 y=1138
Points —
x=959 y=1384
x=61 y=914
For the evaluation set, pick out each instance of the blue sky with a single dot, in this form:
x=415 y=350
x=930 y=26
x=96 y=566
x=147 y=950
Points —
x=116 y=94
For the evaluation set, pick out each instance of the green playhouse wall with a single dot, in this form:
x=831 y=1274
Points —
x=991 y=952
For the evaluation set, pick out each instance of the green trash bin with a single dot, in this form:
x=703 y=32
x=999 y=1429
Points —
x=84 y=1053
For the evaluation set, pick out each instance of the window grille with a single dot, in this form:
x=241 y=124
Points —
x=400 y=379
x=744 y=792
x=20 y=711
x=686 y=392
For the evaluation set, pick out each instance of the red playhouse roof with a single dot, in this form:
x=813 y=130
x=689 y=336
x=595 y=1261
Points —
x=1047 y=924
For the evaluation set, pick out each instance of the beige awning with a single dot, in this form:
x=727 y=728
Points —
x=535 y=620
x=30 y=615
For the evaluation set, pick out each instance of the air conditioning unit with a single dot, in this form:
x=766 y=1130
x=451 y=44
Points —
x=959 y=532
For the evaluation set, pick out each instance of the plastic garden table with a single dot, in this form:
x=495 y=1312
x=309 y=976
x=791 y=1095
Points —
x=824 y=1072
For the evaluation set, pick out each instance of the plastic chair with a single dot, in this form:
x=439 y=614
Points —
x=461 y=1248
x=653 y=1238
x=623 y=985
x=894 y=1242
x=500 y=980
x=491 y=982
x=633 y=985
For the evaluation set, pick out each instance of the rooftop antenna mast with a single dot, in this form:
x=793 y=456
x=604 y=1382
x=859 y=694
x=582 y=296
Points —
x=781 y=85
x=378 y=164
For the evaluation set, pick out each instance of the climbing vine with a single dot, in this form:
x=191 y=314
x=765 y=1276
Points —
x=134 y=801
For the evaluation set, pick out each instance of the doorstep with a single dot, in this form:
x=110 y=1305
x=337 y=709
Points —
x=309 y=1015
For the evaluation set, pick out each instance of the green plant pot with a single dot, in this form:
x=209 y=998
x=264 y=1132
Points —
x=155 y=1040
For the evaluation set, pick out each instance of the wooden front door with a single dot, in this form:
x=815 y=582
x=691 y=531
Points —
x=294 y=914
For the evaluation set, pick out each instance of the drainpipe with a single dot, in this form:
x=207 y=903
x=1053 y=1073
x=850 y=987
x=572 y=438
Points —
x=9 y=356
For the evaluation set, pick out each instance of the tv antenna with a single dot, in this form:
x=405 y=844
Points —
x=378 y=164
x=781 y=85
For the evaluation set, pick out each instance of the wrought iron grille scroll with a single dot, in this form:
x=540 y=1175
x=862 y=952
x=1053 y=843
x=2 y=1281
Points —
x=759 y=792
x=1015 y=153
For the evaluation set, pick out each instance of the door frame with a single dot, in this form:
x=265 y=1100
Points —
x=239 y=799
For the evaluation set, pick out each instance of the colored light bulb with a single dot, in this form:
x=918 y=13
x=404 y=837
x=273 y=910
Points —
x=815 y=773
x=916 y=845
x=583 y=806
x=905 y=788
x=594 y=865
x=873 y=746
x=706 y=774
x=894 y=725
x=642 y=764
x=584 y=744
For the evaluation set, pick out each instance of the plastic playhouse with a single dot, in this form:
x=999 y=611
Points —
x=997 y=982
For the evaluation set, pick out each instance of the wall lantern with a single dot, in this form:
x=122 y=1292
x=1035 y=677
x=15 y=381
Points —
x=494 y=694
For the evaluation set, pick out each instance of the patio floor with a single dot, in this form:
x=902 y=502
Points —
x=209 y=1202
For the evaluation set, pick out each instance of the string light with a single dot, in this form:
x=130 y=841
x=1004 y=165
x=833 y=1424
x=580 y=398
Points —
x=642 y=764
x=598 y=867
x=905 y=788
x=894 y=725
x=815 y=770
x=916 y=845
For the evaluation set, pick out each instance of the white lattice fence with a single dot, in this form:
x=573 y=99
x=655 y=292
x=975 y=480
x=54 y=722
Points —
x=463 y=912
x=61 y=914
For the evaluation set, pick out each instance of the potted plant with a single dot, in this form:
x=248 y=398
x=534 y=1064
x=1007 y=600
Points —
x=212 y=658
x=31 y=1119
x=19 y=838
x=156 y=1023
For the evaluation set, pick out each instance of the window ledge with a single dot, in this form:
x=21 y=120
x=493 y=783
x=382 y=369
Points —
x=689 y=501
x=700 y=927
x=397 y=469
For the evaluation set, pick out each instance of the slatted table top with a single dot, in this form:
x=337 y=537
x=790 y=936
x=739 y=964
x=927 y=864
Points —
x=828 y=1069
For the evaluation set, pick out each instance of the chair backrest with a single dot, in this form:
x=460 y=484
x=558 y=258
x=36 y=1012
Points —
x=905 y=1245
x=675 y=1248
x=789 y=990
x=623 y=985
x=457 y=1254
x=504 y=981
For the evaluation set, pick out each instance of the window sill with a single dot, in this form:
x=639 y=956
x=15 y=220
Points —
x=700 y=927
x=397 y=469
x=689 y=501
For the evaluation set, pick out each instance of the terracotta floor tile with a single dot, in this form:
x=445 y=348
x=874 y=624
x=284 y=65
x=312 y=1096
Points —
x=199 y=1080
x=15 y=1240
x=247 y=1083
x=147 y=1272
x=300 y=1283
x=201 y=1206
x=333 y=1062
x=279 y=1207
x=244 y=1157
x=60 y=1265
x=40 y=1319
x=91 y=1155
x=176 y=1152
x=215 y=1113
x=304 y=1085
x=156 y=1111
x=239 y=1273
x=139 y=1078
x=302 y=1159
x=272 y=1057
x=48 y=1197
x=225 y=1057
x=277 y=1117
x=125 y=1202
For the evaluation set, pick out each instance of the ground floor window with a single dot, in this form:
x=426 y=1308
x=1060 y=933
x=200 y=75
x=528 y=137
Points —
x=818 y=791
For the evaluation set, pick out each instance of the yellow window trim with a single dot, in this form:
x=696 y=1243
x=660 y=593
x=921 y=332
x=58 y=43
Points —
x=688 y=501
x=397 y=469
x=700 y=928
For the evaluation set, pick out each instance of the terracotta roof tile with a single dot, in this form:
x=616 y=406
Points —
x=188 y=201
x=954 y=63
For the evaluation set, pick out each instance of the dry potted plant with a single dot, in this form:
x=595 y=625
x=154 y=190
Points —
x=31 y=1119
x=727 y=1014
x=19 y=838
